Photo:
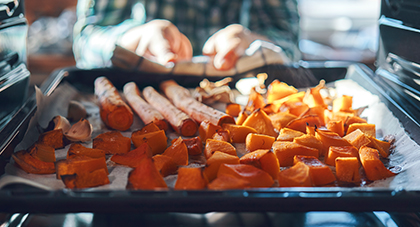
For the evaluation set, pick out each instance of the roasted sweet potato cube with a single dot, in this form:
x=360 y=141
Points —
x=352 y=120
x=112 y=142
x=260 y=121
x=178 y=151
x=357 y=138
x=342 y=151
x=133 y=157
x=316 y=111
x=42 y=152
x=256 y=177
x=156 y=140
x=95 y=178
x=341 y=116
x=347 y=169
x=226 y=181
x=300 y=124
x=165 y=165
x=294 y=107
x=310 y=130
x=374 y=168
x=255 y=101
x=382 y=146
x=53 y=138
x=321 y=174
x=287 y=134
x=151 y=127
x=217 y=145
x=337 y=127
x=222 y=134
x=194 y=145
x=256 y=141
x=214 y=162
x=286 y=151
x=281 y=119
x=79 y=165
x=233 y=109
x=207 y=129
x=263 y=159
x=277 y=90
x=328 y=139
x=238 y=133
x=295 y=176
x=190 y=179
x=297 y=97
x=30 y=164
x=313 y=97
x=77 y=149
x=367 y=129
x=243 y=115
x=309 y=141
x=343 y=104
x=146 y=177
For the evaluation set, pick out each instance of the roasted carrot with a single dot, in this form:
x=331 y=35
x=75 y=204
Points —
x=146 y=112
x=115 y=113
x=182 y=99
x=180 y=121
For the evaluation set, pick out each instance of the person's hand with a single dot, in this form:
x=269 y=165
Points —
x=159 y=41
x=227 y=45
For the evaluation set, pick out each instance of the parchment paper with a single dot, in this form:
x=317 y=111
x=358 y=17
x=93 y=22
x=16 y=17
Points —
x=405 y=159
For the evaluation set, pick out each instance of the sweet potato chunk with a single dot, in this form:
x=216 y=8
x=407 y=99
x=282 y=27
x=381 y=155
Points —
x=300 y=124
x=165 y=165
x=207 y=129
x=357 y=138
x=178 y=151
x=217 y=145
x=77 y=149
x=321 y=174
x=214 y=162
x=260 y=121
x=374 y=168
x=309 y=141
x=294 y=107
x=287 y=134
x=286 y=151
x=156 y=140
x=53 y=138
x=382 y=146
x=343 y=104
x=146 y=177
x=277 y=90
x=86 y=179
x=255 y=101
x=352 y=120
x=328 y=139
x=347 y=169
x=367 y=129
x=233 y=109
x=296 y=176
x=238 y=133
x=313 y=97
x=226 y=181
x=281 y=119
x=337 y=127
x=151 y=127
x=222 y=134
x=30 y=164
x=79 y=165
x=112 y=142
x=343 y=151
x=256 y=177
x=133 y=157
x=256 y=141
x=243 y=115
x=190 y=179
x=194 y=145
x=42 y=152
x=263 y=159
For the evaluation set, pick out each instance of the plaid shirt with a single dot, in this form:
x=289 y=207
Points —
x=100 y=23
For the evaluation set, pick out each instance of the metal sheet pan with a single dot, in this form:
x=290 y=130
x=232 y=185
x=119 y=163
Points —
x=23 y=198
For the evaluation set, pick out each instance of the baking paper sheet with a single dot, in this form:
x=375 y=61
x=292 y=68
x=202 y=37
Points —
x=405 y=159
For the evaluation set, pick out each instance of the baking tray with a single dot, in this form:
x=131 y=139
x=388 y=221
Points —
x=23 y=198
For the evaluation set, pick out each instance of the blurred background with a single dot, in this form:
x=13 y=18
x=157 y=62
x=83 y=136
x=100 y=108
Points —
x=330 y=30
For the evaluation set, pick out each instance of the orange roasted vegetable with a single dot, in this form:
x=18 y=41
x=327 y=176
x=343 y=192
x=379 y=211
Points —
x=190 y=179
x=165 y=165
x=300 y=124
x=233 y=109
x=115 y=113
x=145 y=177
x=367 y=129
x=79 y=165
x=343 y=104
x=328 y=139
x=214 y=162
x=133 y=157
x=151 y=127
x=243 y=115
x=382 y=146
x=222 y=134
x=256 y=141
x=281 y=119
x=347 y=169
x=156 y=140
x=77 y=149
x=217 y=145
x=54 y=138
x=313 y=97
x=260 y=121
x=337 y=127
x=321 y=174
x=309 y=141
x=238 y=133
x=207 y=130
x=296 y=176
x=194 y=145
x=178 y=151
x=30 y=164
x=357 y=138
x=277 y=90
x=263 y=159
x=294 y=107
x=343 y=151
x=255 y=101
x=42 y=152
x=256 y=177
x=286 y=151
x=112 y=142
x=287 y=134
x=374 y=168
x=226 y=182
x=316 y=111
x=86 y=179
